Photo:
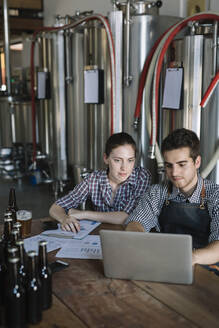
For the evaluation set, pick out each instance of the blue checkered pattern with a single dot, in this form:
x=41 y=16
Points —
x=96 y=187
x=150 y=206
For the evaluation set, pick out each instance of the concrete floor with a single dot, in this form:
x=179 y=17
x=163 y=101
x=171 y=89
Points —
x=37 y=198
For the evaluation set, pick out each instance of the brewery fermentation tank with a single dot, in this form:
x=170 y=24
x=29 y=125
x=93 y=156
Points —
x=76 y=112
x=210 y=114
x=52 y=113
x=72 y=131
x=5 y=123
x=79 y=127
x=88 y=124
x=73 y=119
x=145 y=29
x=16 y=122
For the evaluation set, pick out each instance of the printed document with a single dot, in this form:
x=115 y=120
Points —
x=86 y=227
x=88 y=248
x=32 y=243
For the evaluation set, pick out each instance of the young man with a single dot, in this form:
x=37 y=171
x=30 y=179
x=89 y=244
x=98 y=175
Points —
x=186 y=203
x=114 y=192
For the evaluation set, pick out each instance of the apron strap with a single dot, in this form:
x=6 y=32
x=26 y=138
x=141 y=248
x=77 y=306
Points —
x=202 y=204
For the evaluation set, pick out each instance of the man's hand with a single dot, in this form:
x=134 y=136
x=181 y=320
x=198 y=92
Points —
x=70 y=224
x=134 y=226
x=206 y=255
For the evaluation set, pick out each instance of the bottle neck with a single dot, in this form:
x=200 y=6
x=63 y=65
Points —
x=12 y=252
x=12 y=200
x=14 y=236
x=21 y=254
x=2 y=253
x=32 y=268
x=7 y=230
x=13 y=272
x=43 y=262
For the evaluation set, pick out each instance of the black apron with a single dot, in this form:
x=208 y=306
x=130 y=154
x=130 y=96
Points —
x=187 y=218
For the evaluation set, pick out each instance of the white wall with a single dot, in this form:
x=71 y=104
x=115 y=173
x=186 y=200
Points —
x=68 y=7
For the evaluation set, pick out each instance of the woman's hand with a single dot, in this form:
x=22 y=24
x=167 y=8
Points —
x=70 y=224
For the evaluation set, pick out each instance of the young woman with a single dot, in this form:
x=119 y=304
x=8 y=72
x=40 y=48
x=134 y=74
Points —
x=114 y=192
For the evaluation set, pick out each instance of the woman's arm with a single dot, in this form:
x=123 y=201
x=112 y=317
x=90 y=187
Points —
x=68 y=223
x=103 y=217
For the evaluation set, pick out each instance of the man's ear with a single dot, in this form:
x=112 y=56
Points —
x=198 y=162
x=105 y=158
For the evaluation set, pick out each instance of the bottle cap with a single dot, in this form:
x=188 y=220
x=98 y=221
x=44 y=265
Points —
x=13 y=259
x=43 y=243
x=31 y=254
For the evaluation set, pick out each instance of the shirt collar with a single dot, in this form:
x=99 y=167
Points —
x=132 y=178
x=195 y=195
x=104 y=178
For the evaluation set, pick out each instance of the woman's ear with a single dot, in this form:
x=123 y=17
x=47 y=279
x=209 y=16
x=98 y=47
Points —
x=105 y=158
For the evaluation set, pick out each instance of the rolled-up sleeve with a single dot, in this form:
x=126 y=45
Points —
x=75 y=197
x=148 y=208
x=213 y=207
x=142 y=183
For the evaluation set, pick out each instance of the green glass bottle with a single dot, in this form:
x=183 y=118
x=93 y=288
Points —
x=33 y=288
x=45 y=275
x=15 y=297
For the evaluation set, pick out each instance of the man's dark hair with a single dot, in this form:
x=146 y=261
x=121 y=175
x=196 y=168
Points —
x=119 y=139
x=182 y=138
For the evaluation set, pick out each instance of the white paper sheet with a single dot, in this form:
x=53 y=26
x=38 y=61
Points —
x=88 y=248
x=86 y=227
x=32 y=243
x=173 y=88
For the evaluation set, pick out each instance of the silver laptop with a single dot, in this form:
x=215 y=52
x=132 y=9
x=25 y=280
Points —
x=147 y=256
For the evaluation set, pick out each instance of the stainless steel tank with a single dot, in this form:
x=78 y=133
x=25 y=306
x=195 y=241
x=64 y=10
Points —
x=210 y=114
x=52 y=113
x=23 y=122
x=72 y=133
x=144 y=31
x=195 y=53
x=45 y=107
x=96 y=54
x=16 y=122
x=5 y=123
x=76 y=111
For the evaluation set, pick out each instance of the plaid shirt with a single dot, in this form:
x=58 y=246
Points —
x=96 y=187
x=149 y=208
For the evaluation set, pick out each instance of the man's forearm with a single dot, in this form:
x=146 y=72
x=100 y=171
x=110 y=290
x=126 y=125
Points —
x=207 y=255
x=135 y=226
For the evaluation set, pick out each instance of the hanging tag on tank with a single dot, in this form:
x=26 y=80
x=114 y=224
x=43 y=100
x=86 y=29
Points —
x=43 y=85
x=93 y=85
x=173 y=88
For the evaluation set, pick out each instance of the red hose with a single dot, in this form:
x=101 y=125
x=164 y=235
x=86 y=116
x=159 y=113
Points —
x=144 y=75
x=143 y=79
x=164 y=49
x=210 y=90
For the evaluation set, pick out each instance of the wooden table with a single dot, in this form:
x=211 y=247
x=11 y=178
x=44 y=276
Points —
x=83 y=297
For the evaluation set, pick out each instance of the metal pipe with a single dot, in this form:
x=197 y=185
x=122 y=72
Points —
x=7 y=47
x=68 y=55
x=214 y=60
x=0 y=72
x=127 y=77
